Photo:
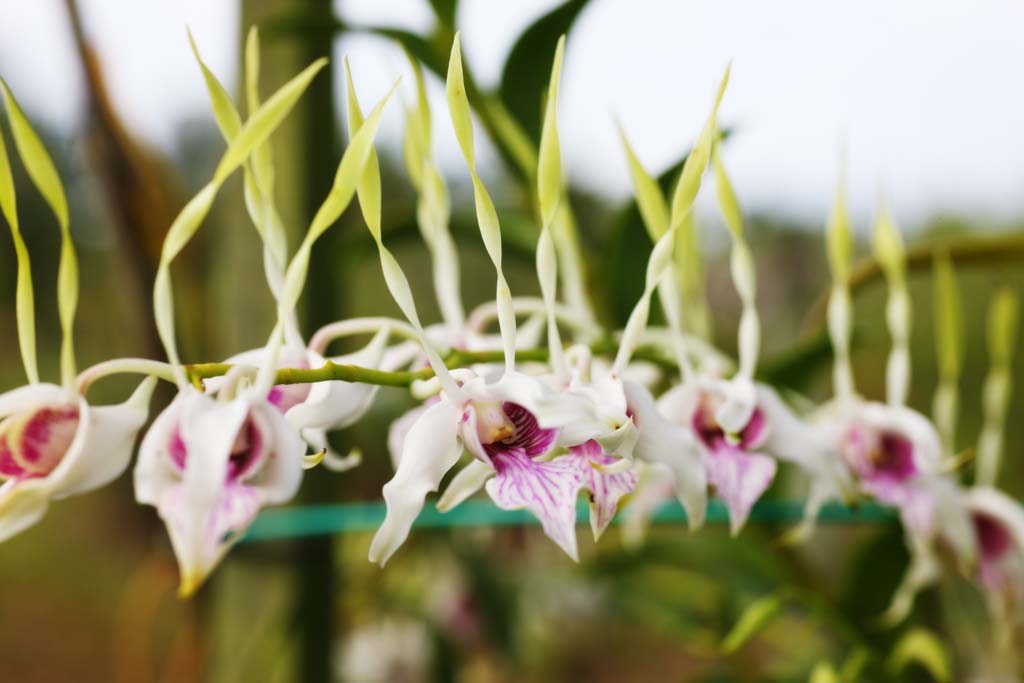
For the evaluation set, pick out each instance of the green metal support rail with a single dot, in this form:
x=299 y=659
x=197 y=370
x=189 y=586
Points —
x=325 y=520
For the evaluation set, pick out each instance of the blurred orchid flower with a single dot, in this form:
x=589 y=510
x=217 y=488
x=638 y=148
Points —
x=209 y=466
x=53 y=444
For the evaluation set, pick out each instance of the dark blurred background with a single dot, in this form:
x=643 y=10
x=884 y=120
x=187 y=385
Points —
x=922 y=95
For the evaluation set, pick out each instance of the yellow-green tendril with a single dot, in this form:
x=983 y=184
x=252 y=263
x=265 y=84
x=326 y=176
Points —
x=949 y=351
x=550 y=188
x=432 y=208
x=1002 y=336
x=259 y=126
x=888 y=246
x=661 y=255
x=742 y=266
x=44 y=176
x=24 y=298
x=486 y=215
x=839 y=245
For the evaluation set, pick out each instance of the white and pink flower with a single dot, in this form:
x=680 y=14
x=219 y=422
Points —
x=208 y=466
x=53 y=444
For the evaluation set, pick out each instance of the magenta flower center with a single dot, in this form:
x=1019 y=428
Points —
x=880 y=455
x=247 y=451
x=523 y=433
x=994 y=539
x=33 y=443
x=714 y=437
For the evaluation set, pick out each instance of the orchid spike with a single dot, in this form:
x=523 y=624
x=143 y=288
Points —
x=486 y=215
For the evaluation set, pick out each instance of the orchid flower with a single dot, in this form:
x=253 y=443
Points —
x=509 y=421
x=209 y=465
x=53 y=443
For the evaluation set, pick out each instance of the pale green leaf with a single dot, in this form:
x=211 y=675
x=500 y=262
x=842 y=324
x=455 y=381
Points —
x=754 y=618
x=549 y=164
x=44 y=175
x=920 y=646
x=24 y=297
x=649 y=198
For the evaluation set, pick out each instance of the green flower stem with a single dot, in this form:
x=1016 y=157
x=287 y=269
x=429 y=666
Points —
x=330 y=371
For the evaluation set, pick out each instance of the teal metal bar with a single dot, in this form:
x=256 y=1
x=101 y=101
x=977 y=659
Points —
x=320 y=520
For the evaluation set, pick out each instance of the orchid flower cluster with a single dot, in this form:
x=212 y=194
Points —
x=535 y=422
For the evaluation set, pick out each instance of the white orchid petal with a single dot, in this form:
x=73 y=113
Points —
x=22 y=504
x=464 y=484
x=333 y=461
x=104 y=443
x=655 y=487
x=547 y=489
x=431 y=448
x=673 y=446
x=739 y=405
x=399 y=430
x=33 y=395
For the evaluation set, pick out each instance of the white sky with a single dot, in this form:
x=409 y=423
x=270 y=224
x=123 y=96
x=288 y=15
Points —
x=926 y=94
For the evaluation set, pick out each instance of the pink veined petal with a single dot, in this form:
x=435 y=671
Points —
x=547 y=489
x=740 y=479
x=605 y=488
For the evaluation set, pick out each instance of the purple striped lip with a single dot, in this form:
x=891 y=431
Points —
x=527 y=434
x=248 y=452
x=994 y=540
x=32 y=444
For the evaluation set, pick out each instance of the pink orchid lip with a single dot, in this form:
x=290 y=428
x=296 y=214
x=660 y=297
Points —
x=994 y=539
x=880 y=455
x=714 y=438
x=32 y=444
x=526 y=434
x=248 y=452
